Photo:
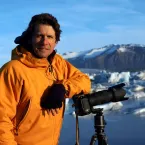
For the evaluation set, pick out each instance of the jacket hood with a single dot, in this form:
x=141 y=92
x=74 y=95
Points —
x=27 y=58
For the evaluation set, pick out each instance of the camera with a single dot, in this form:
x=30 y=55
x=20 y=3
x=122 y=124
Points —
x=84 y=103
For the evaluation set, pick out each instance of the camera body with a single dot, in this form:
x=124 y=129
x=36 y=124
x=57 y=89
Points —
x=82 y=106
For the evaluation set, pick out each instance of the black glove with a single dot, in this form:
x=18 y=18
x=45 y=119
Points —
x=54 y=98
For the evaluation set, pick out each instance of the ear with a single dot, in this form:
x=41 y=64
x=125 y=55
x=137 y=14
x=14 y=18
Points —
x=56 y=42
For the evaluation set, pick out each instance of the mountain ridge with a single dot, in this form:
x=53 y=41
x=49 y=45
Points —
x=113 y=57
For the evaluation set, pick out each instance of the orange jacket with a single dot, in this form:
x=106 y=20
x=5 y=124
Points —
x=23 y=81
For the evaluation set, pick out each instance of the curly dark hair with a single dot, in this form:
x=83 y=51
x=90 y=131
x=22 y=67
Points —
x=47 y=19
x=43 y=18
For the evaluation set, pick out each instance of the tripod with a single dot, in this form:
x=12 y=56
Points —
x=99 y=124
x=99 y=128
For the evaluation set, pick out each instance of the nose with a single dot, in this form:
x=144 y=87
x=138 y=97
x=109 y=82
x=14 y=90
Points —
x=45 y=40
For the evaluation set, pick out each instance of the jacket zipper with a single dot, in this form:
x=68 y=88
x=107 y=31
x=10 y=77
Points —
x=50 y=68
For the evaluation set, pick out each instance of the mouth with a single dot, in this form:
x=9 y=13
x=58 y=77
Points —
x=43 y=48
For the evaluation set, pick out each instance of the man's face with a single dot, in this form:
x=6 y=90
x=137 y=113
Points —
x=43 y=40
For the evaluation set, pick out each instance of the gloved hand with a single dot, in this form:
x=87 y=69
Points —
x=55 y=97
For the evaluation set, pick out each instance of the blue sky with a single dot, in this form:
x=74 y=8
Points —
x=85 y=24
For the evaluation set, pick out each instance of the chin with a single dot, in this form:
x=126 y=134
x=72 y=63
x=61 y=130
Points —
x=38 y=55
x=42 y=54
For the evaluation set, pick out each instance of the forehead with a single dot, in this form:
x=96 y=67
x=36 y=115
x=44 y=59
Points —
x=44 y=29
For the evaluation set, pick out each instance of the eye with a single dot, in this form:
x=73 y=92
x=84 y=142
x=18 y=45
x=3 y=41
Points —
x=39 y=36
x=50 y=36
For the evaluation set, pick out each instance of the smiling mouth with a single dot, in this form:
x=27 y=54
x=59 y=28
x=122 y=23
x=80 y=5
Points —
x=40 y=48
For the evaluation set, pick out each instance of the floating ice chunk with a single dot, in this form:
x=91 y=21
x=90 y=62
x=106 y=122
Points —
x=117 y=106
x=138 y=95
x=92 y=77
x=117 y=77
x=66 y=101
x=142 y=75
x=138 y=88
x=99 y=87
x=139 y=111
x=110 y=106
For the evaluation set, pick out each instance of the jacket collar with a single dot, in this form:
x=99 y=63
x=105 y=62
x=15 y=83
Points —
x=27 y=58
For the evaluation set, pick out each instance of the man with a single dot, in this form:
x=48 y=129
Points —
x=34 y=85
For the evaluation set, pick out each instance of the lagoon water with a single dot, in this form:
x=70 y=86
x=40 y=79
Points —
x=120 y=130
x=125 y=120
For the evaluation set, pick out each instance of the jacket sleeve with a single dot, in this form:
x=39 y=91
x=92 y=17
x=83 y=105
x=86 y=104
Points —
x=9 y=92
x=75 y=81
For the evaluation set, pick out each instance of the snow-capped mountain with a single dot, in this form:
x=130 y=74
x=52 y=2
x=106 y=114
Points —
x=124 y=57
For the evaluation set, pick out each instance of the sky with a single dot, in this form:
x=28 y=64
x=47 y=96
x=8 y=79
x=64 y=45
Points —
x=85 y=24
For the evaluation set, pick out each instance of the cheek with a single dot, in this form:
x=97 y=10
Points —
x=53 y=45
x=35 y=42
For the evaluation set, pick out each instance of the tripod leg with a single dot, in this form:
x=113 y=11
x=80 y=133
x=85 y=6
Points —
x=102 y=139
x=93 y=139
